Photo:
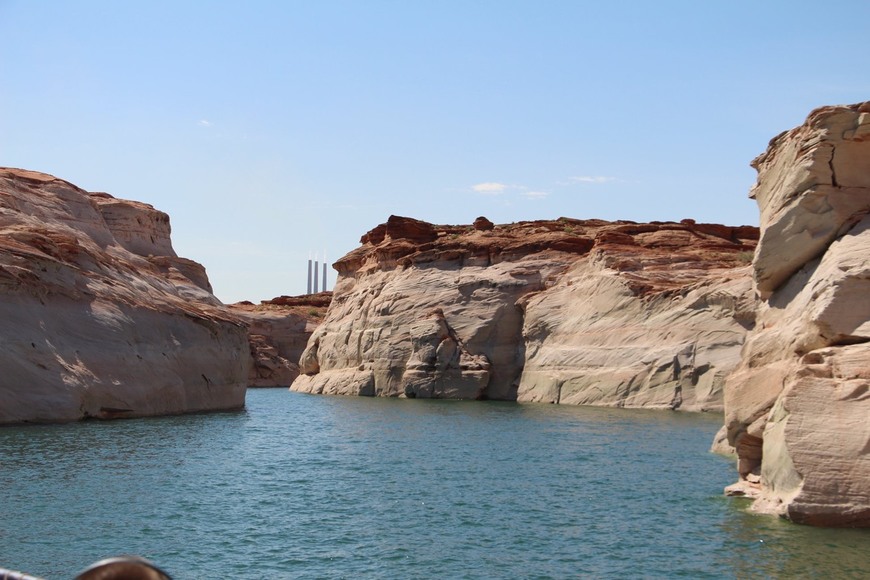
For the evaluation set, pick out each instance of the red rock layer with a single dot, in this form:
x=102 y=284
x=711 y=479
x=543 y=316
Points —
x=656 y=251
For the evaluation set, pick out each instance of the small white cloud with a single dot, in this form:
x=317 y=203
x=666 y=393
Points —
x=536 y=194
x=489 y=188
x=204 y=123
x=592 y=179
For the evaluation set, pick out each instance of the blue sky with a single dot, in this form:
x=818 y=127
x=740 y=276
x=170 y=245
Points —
x=271 y=130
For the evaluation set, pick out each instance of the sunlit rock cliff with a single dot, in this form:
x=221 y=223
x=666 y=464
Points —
x=99 y=317
x=278 y=331
x=565 y=311
x=798 y=407
x=654 y=316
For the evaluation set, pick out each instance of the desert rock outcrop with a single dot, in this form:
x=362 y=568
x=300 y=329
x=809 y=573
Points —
x=564 y=311
x=100 y=318
x=798 y=407
x=278 y=331
x=637 y=327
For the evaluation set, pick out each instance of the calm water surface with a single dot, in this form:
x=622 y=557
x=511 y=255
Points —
x=307 y=486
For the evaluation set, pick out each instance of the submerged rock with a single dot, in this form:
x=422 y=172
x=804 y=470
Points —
x=798 y=407
x=563 y=311
x=100 y=318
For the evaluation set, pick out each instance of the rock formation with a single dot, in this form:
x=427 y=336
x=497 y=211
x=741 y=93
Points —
x=653 y=319
x=564 y=311
x=100 y=318
x=278 y=331
x=798 y=407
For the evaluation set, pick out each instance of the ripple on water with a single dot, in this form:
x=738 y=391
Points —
x=301 y=486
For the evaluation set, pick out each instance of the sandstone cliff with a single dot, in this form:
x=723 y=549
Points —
x=278 y=331
x=798 y=407
x=565 y=311
x=653 y=319
x=100 y=318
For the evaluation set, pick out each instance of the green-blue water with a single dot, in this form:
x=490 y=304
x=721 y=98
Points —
x=306 y=486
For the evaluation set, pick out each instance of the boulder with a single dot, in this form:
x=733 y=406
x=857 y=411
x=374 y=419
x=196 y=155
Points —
x=482 y=224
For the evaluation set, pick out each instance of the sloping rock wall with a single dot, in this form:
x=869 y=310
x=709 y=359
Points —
x=564 y=311
x=798 y=407
x=278 y=331
x=100 y=318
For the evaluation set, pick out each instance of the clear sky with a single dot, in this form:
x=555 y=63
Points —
x=272 y=130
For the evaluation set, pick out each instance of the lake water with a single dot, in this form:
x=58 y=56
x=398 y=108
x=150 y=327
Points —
x=310 y=486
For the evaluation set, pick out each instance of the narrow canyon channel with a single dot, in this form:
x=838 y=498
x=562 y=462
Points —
x=312 y=486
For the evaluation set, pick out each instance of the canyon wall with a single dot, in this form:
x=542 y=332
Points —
x=798 y=406
x=99 y=317
x=649 y=319
x=564 y=311
x=278 y=331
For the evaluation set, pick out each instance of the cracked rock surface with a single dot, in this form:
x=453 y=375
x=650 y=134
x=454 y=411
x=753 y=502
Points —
x=798 y=407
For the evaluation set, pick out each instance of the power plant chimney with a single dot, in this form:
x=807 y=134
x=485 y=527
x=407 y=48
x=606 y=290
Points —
x=316 y=270
x=309 y=274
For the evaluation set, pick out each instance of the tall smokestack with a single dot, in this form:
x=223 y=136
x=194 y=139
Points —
x=316 y=269
x=324 y=274
x=309 y=275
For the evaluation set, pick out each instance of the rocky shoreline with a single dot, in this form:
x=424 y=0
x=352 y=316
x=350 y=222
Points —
x=769 y=325
x=647 y=315
x=797 y=408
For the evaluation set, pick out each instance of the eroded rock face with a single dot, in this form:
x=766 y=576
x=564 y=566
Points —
x=564 y=311
x=811 y=189
x=384 y=324
x=278 y=331
x=590 y=340
x=100 y=318
x=798 y=408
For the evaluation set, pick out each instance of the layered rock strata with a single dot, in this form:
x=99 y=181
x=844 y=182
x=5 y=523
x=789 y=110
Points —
x=798 y=406
x=100 y=318
x=278 y=331
x=564 y=311
x=652 y=320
